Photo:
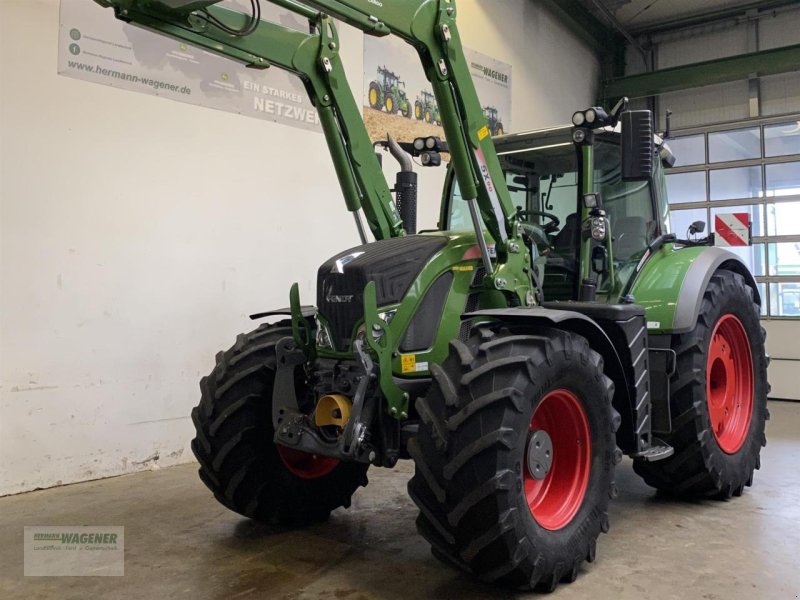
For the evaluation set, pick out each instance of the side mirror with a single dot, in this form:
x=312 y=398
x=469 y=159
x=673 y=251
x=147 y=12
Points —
x=638 y=146
x=697 y=227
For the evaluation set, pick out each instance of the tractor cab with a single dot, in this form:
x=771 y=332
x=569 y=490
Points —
x=543 y=174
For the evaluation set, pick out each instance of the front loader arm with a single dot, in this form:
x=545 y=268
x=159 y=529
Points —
x=312 y=57
x=430 y=27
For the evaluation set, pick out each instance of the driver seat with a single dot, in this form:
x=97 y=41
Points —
x=566 y=241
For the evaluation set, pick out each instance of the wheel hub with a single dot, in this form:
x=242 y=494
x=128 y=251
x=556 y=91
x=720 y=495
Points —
x=556 y=473
x=540 y=454
x=729 y=383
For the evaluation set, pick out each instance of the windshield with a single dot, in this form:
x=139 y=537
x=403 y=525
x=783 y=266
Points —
x=543 y=183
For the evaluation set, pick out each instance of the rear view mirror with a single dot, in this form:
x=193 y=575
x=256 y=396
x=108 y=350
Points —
x=638 y=147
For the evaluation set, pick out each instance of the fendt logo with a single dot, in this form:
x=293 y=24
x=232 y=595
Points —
x=340 y=299
x=377 y=3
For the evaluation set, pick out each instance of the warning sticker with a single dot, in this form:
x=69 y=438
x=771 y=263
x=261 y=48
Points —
x=732 y=229
x=483 y=133
x=408 y=363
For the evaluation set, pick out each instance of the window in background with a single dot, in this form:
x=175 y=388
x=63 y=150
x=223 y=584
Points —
x=686 y=187
x=739 y=144
x=783 y=179
x=688 y=150
x=736 y=183
x=760 y=176
x=784 y=299
x=782 y=139
x=783 y=218
x=681 y=219
x=784 y=258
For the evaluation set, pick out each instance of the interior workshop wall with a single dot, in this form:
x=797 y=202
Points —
x=137 y=234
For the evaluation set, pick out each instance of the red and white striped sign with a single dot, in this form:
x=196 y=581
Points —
x=732 y=229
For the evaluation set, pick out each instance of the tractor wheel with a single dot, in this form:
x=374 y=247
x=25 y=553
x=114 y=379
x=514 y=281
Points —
x=515 y=456
x=389 y=104
x=418 y=110
x=374 y=96
x=718 y=397
x=239 y=462
x=498 y=130
x=407 y=110
x=428 y=116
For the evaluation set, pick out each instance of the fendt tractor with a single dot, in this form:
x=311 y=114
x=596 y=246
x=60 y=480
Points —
x=425 y=108
x=552 y=324
x=388 y=92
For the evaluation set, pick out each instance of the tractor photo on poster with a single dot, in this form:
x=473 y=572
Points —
x=399 y=101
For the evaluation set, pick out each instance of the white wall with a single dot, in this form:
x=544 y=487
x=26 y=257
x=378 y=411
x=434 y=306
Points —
x=136 y=234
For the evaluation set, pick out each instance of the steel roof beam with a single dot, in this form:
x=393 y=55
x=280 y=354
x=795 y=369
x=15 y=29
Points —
x=733 y=68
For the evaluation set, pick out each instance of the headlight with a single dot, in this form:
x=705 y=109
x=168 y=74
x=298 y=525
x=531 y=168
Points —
x=578 y=136
x=323 y=337
x=377 y=332
x=578 y=119
x=591 y=116
x=388 y=315
x=599 y=228
x=419 y=144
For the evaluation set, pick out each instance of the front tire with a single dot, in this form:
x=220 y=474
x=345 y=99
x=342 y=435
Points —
x=486 y=507
x=389 y=104
x=240 y=463
x=718 y=397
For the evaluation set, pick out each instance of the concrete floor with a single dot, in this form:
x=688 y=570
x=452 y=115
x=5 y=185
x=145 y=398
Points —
x=181 y=544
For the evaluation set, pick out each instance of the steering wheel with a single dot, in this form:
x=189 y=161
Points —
x=549 y=227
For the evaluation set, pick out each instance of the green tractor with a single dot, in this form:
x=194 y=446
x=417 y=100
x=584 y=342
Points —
x=388 y=93
x=493 y=117
x=425 y=108
x=552 y=324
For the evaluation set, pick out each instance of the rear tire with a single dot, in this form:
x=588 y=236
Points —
x=374 y=95
x=718 y=442
x=240 y=463
x=481 y=509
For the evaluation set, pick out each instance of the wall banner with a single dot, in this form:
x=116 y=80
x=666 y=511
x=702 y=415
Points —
x=398 y=99
x=96 y=47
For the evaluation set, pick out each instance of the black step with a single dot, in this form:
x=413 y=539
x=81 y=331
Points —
x=658 y=450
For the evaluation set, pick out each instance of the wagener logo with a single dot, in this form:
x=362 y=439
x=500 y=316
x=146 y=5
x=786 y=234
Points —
x=376 y=3
x=490 y=73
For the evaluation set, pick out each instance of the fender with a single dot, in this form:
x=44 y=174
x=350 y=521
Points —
x=575 y=322
x=671 y=284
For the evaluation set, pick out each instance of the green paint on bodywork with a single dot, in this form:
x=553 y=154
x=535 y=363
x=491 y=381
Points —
x=382 y=341
x=301 y=328
x=659 y=283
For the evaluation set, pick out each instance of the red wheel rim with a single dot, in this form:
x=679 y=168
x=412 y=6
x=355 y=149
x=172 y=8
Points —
x=729 y=383
x=304 y=465
x=555 y=499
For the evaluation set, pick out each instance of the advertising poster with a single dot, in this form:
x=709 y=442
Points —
x=398 y=99
x=95 y=46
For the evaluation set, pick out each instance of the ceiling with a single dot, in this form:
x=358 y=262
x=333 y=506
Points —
x=639 y=16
